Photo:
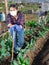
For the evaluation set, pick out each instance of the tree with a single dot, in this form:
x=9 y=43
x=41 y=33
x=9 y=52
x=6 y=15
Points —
x=6 y=6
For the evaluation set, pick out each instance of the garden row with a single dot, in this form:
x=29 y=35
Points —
x=34 y=30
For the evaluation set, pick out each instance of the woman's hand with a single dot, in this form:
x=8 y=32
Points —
x=10 y=25
x=21 y=26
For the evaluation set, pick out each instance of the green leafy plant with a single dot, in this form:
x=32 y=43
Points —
x=31 y=23
x=6 y=45
x=47 y=19
x=14 y=62
x=23 y=61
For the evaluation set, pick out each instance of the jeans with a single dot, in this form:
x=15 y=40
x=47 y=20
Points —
x=18 y=36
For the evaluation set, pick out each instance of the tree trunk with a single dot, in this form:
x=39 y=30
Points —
x=6 y=6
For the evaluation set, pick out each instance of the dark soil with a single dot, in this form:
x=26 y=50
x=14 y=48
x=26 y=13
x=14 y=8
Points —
x=42 y=54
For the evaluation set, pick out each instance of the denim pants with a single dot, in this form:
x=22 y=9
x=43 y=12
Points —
x=18 y=36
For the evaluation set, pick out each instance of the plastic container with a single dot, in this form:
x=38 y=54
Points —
x=2 y=16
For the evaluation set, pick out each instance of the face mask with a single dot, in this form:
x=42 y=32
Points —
x=13 y=13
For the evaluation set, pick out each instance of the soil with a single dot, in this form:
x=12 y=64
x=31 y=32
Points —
x=43 y=56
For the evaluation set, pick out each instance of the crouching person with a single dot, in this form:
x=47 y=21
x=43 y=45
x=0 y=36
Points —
x=15 y=21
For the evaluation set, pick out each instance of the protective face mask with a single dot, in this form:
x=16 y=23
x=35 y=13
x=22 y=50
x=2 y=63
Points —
x=13 y=13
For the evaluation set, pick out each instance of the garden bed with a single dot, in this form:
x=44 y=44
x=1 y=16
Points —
x=37 y=48
x=36 y=35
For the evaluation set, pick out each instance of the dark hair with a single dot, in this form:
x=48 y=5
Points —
x=45 y=13
x=14 y=6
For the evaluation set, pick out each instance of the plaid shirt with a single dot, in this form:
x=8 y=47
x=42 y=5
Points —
x=19 y=21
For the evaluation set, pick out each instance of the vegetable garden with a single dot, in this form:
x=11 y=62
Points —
x=34 y=31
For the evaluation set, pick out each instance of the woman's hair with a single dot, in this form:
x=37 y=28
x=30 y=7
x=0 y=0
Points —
x=45 y=13
x=14 y=6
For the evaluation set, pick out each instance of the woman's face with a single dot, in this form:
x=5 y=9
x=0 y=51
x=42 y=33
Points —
x=13 y=11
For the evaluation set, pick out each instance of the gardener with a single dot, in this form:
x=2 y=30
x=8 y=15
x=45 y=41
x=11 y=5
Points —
x=43 y=15
x=15 y=21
